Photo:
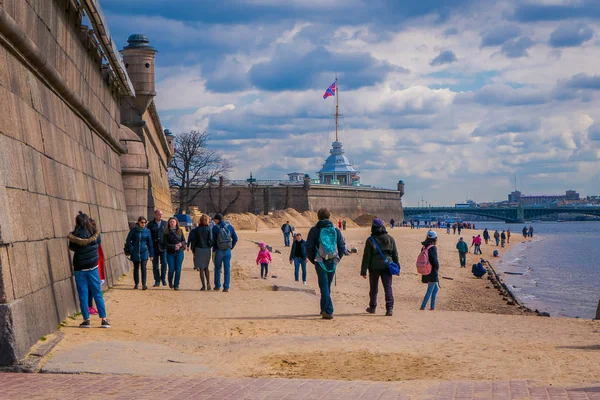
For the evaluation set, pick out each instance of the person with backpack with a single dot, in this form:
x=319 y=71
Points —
x=84 y=242
x=298 y=257
x=428 y=266
x=525 y=231
x=175 y=244
x=157 y=228
x=264 y=259
x=497 y=237
x=486 y=235
x=463 y=249
x=287 y=230
x=201 y=245
x=225 y=241
x=325 y=248
x=138 y=246
x=378 y=245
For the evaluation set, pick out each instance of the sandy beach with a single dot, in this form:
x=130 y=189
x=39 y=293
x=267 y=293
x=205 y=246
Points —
x=253 y=331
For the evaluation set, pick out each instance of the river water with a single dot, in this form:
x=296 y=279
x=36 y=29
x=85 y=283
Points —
x=560 y=266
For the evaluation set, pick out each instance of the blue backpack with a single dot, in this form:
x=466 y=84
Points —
x=328 y=247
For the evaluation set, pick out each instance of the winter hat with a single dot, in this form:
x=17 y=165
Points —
x=263 y=245
x=218 y=217
x=461 y=239
x=432 y=235
x=377 y=223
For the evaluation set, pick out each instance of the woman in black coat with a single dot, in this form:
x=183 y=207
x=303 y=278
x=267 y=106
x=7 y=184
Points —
x=432 y=280
x=377 y=267
x=201 y=245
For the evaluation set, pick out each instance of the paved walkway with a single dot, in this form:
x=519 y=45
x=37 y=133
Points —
x=57 y=386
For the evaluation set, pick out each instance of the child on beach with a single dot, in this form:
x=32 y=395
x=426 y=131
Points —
x=264 y=259
x=431 y=279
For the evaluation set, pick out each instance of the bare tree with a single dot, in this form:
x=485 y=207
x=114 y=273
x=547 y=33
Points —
x=194 y=166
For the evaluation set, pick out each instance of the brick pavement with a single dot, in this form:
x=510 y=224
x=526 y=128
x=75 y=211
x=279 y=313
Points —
x=61 y=386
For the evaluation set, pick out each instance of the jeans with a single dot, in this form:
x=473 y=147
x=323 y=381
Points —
x=432 y=289
x=159 y=256
x=386 y=281
x=462 y=256
x=136 y=271
x=286 y=239
x=222 y=261
x=325 y=279
x=477 y=249
x=89 y=281
x=497 y=242
x=264 y=270
x=299 y=261
x=175 y=262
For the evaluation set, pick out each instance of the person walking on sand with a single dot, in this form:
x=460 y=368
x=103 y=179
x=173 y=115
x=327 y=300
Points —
x=508 y=235
x=525 y=232
x=497 y=237
x=454 y=228
x=432 y=279
x=298 y=257
x=175 y=245
x=344 y=224
x=477 y=243
x=502 y=238
x=460 y=228
x=392 y=222
x=325 y=248
x=201 y=246
x=463 y=249
x=373 y=262
x=157 y=228
x=448 y=228
x=340 y=224
x=139 y=246
x=264 y=259
x=530 y=231
x=225 y=241
x=84 y=242
x=287 y=230
x=486 y=235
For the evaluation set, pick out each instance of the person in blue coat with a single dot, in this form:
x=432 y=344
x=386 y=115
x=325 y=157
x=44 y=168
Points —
x=225 y=240
x=139 y=247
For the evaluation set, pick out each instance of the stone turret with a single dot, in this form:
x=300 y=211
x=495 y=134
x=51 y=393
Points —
x=170 y=140
x=138 y=56
x=401 y=188
x=307 y=182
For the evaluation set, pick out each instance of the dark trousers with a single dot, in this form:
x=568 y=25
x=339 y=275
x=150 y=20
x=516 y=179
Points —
x=136 y=271
x=386 y=280
x=160 y=257
x=264 y=269
x=325 y=279
x=462 y=256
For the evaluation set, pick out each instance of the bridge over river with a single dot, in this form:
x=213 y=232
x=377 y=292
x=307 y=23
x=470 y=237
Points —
x=507 y=214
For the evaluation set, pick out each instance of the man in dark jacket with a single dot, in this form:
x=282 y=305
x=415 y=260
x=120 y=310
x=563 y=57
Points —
x=157 y=228
x=287 y=230
x=298 y=257
x=377 y=267
x=225 y=241
x=325 y=268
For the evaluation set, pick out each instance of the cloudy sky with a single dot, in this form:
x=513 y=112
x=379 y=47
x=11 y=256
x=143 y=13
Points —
x=454 y=97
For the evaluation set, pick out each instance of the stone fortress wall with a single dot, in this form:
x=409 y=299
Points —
x=65 y=147
x=349 y=201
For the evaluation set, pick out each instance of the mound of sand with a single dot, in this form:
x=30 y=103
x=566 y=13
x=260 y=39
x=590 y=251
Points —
x=306 y=219
x=365 y=220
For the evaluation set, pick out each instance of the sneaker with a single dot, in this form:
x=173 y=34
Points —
x=156 y=284
x=304 y=283
x=170 y=285
x=176 y=288
x=85 y=324
x=389 y=313
x=432 y=309
x=92 y=311
x=322 y=312
x=371 y=310
x=208 y=287
x=105 y=324
x=135 y=287
x=202 y=289
x=225 y=290
x=217 y=289
x=327 y=316
x=164 y=283
x=144 y=287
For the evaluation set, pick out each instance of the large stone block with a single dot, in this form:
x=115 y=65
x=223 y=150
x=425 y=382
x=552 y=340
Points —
x=43 y=223
x=17 y=213
x=65 y=293
x=4 y=75
x=11 y=349
x=6 y=286
x=34 y=171
x=30 y=125
x=10 y=124
x=20 y=270
x=58 y=251
x=62 y=220
x=37 y=259
x=12 y=163
x=18 y=79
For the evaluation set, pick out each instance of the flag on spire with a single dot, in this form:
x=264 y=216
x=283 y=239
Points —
x=330 y=90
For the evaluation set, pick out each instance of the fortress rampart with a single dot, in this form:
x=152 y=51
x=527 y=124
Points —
x=78 y=132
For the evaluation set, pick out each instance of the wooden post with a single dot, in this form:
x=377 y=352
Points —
x=598 y=312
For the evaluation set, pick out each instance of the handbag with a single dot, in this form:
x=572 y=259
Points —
x=393 y=267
